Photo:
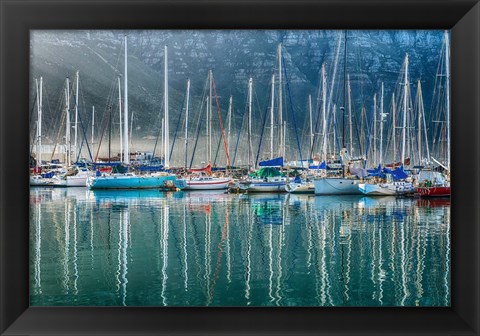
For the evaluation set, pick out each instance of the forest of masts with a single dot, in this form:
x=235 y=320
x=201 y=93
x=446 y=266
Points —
x=381 y=129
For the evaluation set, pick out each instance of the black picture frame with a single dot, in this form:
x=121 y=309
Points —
x=18 y=17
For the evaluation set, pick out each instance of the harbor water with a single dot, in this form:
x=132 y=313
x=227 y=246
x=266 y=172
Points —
x=199 y=248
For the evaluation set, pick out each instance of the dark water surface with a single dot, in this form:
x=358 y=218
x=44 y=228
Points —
x=151 y=248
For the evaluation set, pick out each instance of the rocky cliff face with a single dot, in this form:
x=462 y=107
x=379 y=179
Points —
x=373 y=57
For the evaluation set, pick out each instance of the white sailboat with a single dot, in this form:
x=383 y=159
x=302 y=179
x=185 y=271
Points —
x=37 y=178
x=268 y=178
x=338 y=185
x=201 y=179
x=391 y=186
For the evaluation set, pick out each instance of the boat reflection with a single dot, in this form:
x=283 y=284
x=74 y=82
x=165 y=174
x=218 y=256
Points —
x=148 y=248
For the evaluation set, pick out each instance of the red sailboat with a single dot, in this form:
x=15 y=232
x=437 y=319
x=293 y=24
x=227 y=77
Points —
x=432 y=184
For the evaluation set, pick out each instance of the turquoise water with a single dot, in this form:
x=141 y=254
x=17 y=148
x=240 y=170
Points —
x=151 y=248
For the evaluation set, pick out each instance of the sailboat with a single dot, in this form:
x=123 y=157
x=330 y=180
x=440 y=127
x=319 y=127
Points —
x=128 y=180
x=202 y=179
x=432 y=183
x=300 y=187
x=75 y=176
x=341 y=185
x=396 y=183
x=268 y=178
x=306 y=186
x=39 y=175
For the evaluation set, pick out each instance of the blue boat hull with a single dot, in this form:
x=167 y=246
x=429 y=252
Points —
x=122 y=181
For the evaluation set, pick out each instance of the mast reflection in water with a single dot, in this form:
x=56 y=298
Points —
x=150 y=248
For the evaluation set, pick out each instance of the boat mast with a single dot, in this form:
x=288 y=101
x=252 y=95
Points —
x=344 y=93
x=271 y=116
x=381 y=126
x=405 y=96
x=162 y=144
x=126 y=156
x=424 y=121
x=334 y=113
x=93 y=124
x=67 y=123
x=39 y=121
x=350 y=125
x=250 y=148
x=166 y=142
x=375 y=129
x=311 y=120
x=186 y=122
x=230 y=101
x=419 y=130
x=343 y=104
x=447 y=84
x=120 y=116
x=280 y=101
x=76 y=114
x=394 y=128
x=324 y=114
x=209 y=117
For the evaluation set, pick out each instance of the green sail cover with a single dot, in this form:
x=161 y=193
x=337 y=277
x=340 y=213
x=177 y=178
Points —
x=266 y=172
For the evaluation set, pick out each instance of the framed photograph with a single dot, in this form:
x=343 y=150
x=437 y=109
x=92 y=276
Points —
x=237 y=168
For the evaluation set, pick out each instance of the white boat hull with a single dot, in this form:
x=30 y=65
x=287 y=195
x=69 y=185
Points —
x=386 y=189
x=300 y=188
x=38 y=181
x=271 y=185
x=336 y=186
x=71 y=181
x=202 y=184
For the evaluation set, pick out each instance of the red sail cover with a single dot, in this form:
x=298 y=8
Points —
x=406 y=162
x=207 y=169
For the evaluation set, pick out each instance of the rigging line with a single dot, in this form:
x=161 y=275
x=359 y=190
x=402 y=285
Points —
x=159 y=130
x=368 y=137
x=263 y=128
x=106 y=117
x=108 y=105
x=240 y=130
x=317 y=121
x=217 y=151
x=199 y=124
x=178 y=125
x=84 y=139
x=64 y=114
x=35 y=127
x=291 y=108
x=336 y=133
x=46 y=107
x=221 y=121
x=199 y=119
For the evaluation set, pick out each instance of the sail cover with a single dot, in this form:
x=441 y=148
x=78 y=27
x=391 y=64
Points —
x=397 y=173
x=277 y=162
x=266 y=172
x=321 y=166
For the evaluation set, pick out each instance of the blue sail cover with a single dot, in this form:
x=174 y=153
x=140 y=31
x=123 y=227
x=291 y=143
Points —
x=397 y=173
x=321 y=166
x=375 y=171
x=149 y=168
x=277 y=162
